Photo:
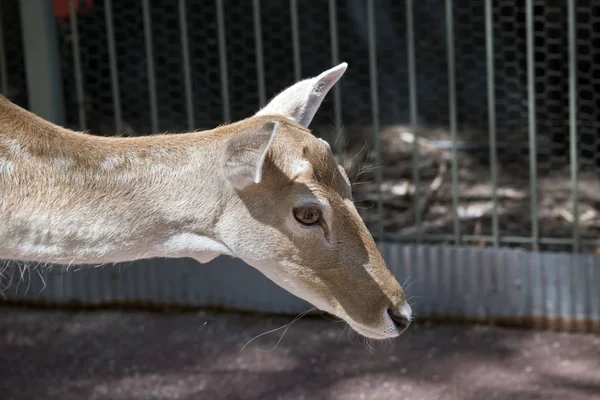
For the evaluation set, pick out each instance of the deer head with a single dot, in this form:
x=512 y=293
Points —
x=263 y=189
x=293 y=218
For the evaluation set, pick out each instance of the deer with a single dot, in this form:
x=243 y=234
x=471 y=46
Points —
x=263 y=189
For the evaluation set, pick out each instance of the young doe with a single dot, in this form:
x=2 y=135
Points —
x=264 y=190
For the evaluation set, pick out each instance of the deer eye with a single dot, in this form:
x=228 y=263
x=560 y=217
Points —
x=307 y=215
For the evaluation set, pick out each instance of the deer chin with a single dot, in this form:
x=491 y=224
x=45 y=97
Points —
x=385 y=329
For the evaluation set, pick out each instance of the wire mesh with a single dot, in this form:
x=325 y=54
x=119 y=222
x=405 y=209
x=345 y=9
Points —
x=461 y=160
x=13 y=83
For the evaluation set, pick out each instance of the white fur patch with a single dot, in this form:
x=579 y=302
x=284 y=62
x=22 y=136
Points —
x=15 y=149
x=407 y=311
x=194 y=152
x=63 y=163
x=40 y=250
x=158 y=167
x=6 y=167
x=98 y=250
x=111 y=162
x=199 y=247
x=300 y=167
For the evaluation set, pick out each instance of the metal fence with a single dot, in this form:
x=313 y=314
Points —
x=461 y=122
x=477 y=121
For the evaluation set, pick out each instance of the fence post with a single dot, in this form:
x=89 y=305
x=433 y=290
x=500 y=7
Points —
x=42 y=60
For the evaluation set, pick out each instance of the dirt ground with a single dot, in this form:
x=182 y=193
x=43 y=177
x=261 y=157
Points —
x=126 y=355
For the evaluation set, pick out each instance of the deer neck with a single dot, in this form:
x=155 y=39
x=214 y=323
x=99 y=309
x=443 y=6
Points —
x=68 y=197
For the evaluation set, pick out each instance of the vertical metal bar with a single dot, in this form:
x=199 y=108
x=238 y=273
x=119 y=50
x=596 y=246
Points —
x=3 y=67
x=260 y=67
x=114 y=73
x=150 y=65
x=532 y=126
x=296 y=40
x=573 y=123
x=42 y=61
x=335 y=60
x=77 y=66
x=452 y=114
x=491 y=102
x=412 y=94
x=187 y=72
x=375 y=111
x=223 y=62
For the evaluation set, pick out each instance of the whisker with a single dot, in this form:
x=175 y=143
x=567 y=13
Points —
x=351 y=335
x=364 y=208
x=286 y=326
x=410 y=284
x=358 y=153
x=364 y=170
x=413 y=297
x=328 y=317
x=368 y=345
x=42 y=279
x=363 y=183
x=337 y=137
x=342 y=332
x=28 y=281
x=286 y=329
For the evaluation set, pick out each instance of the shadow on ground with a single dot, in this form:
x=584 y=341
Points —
x=113 y=355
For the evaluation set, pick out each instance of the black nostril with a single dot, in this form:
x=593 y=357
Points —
x=400 y=320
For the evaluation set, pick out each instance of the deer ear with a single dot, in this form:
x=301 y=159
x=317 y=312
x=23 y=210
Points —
x=301 y=101
x=245 y=155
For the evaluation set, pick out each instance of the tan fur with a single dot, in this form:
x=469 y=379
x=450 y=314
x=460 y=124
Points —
x=70 y=197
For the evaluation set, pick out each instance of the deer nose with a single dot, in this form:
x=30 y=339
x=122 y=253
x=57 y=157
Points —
x=401 y=318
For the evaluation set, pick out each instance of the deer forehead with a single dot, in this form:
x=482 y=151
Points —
x=317 y=165
x=327 y=185
x=329 y=174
